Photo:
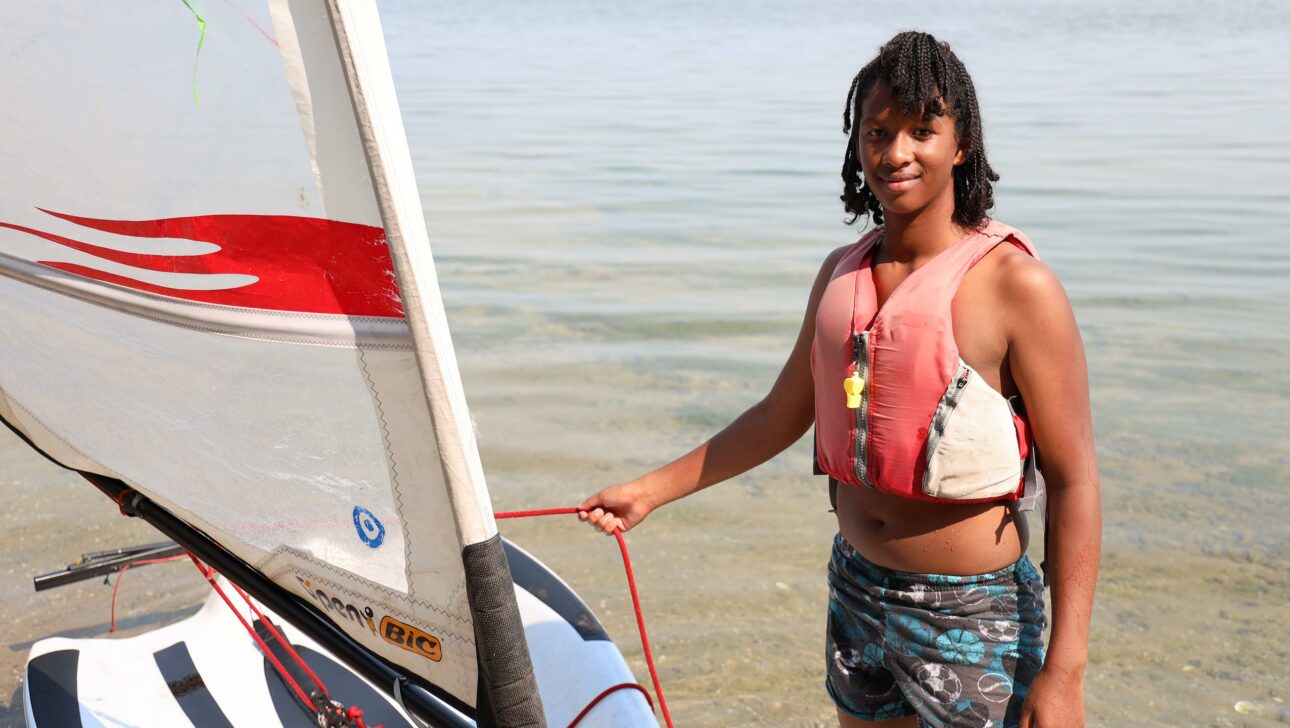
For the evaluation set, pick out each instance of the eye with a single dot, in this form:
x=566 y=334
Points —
x=874 y=132
x=923 y=132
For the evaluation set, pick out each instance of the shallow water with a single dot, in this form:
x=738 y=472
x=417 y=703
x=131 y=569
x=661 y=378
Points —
x=628 y=203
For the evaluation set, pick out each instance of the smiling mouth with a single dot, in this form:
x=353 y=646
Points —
x=901 y=184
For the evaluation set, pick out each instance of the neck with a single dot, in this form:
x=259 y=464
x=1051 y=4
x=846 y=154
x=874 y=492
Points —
x=921 y=235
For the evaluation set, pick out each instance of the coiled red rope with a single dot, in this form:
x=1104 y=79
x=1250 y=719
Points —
x=636 y=605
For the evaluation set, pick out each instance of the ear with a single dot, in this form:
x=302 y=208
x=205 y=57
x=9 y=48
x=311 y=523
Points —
x=960 y=157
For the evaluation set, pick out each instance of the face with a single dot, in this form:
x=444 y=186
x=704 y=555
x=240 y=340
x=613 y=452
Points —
x=907 y=161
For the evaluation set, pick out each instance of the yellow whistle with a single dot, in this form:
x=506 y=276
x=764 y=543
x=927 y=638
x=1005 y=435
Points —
x=853 y=385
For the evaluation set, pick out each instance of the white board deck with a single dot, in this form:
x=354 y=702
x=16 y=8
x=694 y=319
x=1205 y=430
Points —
x=206 y=670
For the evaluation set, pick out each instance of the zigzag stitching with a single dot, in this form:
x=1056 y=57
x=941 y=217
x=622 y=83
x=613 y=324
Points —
x=17 y=405
x=385 y=607
x=394 y=471
x=262 y=565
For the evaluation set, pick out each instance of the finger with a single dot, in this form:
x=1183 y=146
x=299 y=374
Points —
x=589 y=503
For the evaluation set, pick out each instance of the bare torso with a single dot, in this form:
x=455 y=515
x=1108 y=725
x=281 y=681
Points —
x=918 y=536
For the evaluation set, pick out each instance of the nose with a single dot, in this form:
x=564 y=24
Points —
x=900 y=151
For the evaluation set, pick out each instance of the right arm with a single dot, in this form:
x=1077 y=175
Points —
x=761 y=432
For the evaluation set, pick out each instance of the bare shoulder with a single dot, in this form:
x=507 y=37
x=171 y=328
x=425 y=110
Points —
x=1030 y=291
x=1017 y=277
x=1027 y=279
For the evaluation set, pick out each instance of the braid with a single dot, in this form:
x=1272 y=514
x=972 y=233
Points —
x=924 y=76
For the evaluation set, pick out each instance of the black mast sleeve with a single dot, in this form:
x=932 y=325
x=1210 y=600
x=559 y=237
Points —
x=506 y=671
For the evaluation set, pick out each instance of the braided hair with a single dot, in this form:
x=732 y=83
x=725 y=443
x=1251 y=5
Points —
x=925 y=77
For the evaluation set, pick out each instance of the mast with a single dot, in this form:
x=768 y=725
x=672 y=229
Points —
x=508 y=686
x=225 y=314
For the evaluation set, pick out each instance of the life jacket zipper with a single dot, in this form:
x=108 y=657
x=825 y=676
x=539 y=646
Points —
x=949 y=402
x=860 y=355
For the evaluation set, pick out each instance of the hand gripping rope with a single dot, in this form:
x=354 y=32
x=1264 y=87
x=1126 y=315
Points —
x=331 y=714
x=636 y=604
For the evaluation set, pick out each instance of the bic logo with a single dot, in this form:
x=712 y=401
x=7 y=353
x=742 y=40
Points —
x=410 y=638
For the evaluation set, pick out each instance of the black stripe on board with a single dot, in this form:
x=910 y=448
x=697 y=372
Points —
x=343 y=685
x=542 y=583
x=190 y=691
x=51 y=689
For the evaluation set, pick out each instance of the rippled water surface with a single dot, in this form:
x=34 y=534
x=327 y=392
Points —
x=629 y=201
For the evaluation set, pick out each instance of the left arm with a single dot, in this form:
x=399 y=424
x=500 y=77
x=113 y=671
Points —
x=1046 y=357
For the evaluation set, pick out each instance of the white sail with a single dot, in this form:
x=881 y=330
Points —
x=216 y=286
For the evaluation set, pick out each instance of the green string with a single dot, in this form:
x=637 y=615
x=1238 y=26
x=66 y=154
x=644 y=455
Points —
x=202 y=39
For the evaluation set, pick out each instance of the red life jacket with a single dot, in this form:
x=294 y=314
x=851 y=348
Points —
x=921 y=422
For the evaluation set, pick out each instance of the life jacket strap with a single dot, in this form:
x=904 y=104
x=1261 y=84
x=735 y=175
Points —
x=1035 y=498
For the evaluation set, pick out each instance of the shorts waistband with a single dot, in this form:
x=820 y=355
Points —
x=1022 y=569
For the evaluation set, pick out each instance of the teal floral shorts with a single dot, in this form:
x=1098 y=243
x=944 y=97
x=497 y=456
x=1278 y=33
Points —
x=953 y=650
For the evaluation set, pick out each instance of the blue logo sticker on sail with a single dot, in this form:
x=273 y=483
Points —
x=370 y=530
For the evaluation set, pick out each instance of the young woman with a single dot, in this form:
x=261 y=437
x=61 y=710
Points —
x=919 y=345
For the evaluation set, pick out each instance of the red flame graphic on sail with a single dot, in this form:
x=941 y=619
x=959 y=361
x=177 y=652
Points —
x=301 y=263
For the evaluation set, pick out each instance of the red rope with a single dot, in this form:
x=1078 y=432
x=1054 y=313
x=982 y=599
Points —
x=120 y=501
x=537 y=512
x=640 y=623
x=268 y=654
x=353 y=713
x=282 y=640
x=607 y=693
x=636 y=604
x=121 y=574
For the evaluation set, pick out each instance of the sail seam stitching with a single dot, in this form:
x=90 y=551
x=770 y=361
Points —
x=87 y=297
x=411 y=619
x=56 y=273
x=263 y=565
x=394 y=471
x=17 y=405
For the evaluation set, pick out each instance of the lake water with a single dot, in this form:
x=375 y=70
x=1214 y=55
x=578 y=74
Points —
x=628 y=202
